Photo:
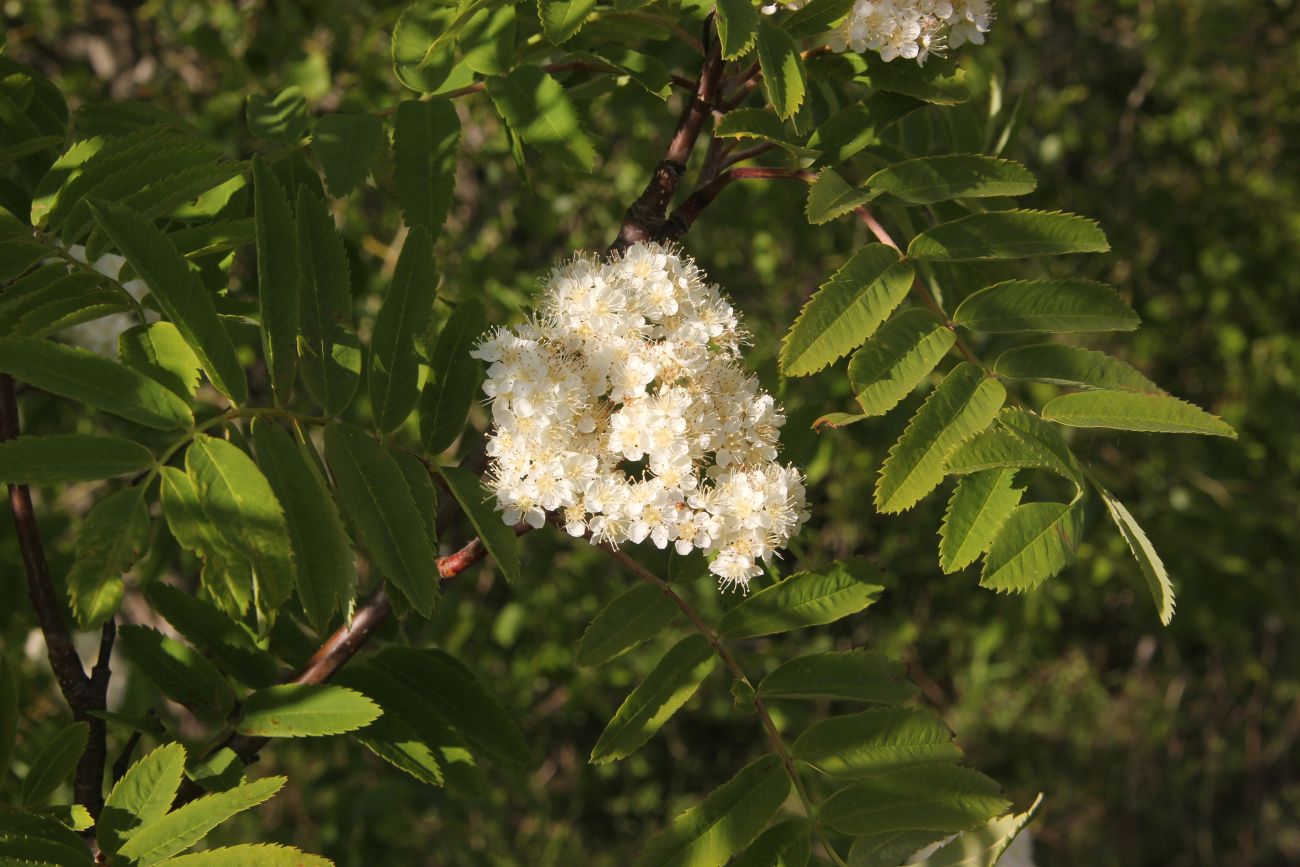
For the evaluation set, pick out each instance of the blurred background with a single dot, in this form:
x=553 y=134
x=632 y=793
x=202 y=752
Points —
x=1176 y=123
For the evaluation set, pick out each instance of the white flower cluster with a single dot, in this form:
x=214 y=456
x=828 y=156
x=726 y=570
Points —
x=622 y=408
x=911 y=29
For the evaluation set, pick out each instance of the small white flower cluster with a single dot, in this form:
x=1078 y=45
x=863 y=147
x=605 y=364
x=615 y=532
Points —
x=911 y=29
x=622 y=408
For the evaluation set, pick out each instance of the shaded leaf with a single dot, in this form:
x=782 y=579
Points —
x=761 y=125
x=159 y=351
x=280 y=117
x=1073 y=366
x=539 y=112
x=277 y=278
x=54 y=763
x=831 y=196
x=59 y=458
x=891 y=848
x=348 y=146
x=228 y=643
x=875 y=741
x=941 y=798
x=635 y=615
x=562 y=19
x=1037 y=541
x=331 y=354
x=785 y=844
x=453 y=379
x=851 y=675
x=426 y=136
x=497 y=537
x=925 y=180
x=982 y=847
x=404 y=315
x=488 y=40
x=858 y=126
x=113 y=537
x=737 y=27
x=184 y=675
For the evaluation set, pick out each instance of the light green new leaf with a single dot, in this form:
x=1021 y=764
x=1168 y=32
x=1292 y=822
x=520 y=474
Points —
x=891 y=848
x=331 y=354
x=183 y=674
x=804 y=599
x=785 y=844
x=761 y=125
x=179 y=293
x=876 y=741
x=980 y=505
x=942 y=798
x=709 y=833
x=1153 y=568
x=294 y=710
x=375 y=496
x=1009 y=235
x=635 y=615
x=279 y=117
x=54 y=763
x=81 y=375
x=831 y=196
x=737 y=27
x=394 y=369
x=963 y=404
x=59 y=458
x=562 y=19
x=450 y=389
x=1072 y=366
x=113 y=537
x=858 y=126
x=348 y=146
x=926 y=180
x=159 y=351
x=1159 y=413
x=187 y=825
x=322 y=554
x=1060 y=306
x=982 y=847
x=143 y=795
x=475 y=499
x=249 y=855
x=897 y=357
x=850 y=675
x=784 y=78
x=1021 y=439
x=846 y=310
x=227 y=642
x=277 y=278
x=1036 y=541
x=671 y=683
x=539 y=111
x=426 y=136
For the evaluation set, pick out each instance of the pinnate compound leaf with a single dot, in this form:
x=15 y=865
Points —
x=709 y=833
x=896 y=358
x=737 y=27
x=475 y=499
x=182 y=673
x=846 y=310
x=179 y=293
x=785 y=844
x=1072 y=366
x=963 y=404
x=671 y=683
x=180 y=829
x=376 y=498
x=562 y=19
x=348 y=146
x=453 y=379
x=278 y=278
x=979 y=506
x=1009 y=235
x=1060 y=306
x=1036 y=541
x=159 y=351
x=850 y=675
x=143 y=795
x=54 y=763
x=1121 y=410
x=84 y=376
x=59 y=458
x=804 y=599
x=942 y=798
x=635 y=615
x=831 y=196
x=294 y=710
x=925 y=180
x=227 y=642
x=330 y=352
x=426 y=135
x=1153 y=568
x=404 y=316
x=784 y=78
x=875 y=741
x=249 y=855
x=538 y=110
x=113 y=537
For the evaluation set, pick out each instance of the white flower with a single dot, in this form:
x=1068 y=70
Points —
x=911 y=29
x=622 y=408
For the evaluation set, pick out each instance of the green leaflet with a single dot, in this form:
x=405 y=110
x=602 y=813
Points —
x=538 y=111
x=41 y=840
x=963 y=404
x=804 y=599
x=59 y=458
x=184 y=675
x=142 y=796
x=890 y=848
x=394 y=368
x=737 y=27
x=205 y=626
x=926 y=180
x=226 y=574
x=982 y=847
x=238 y=500
x=1021 y=439
x=831 y=196
x=875 y=741
x=415 y=62
x=846 y=310
x=1060 y=306
x=851 y=675
x=1159 y=413
x=761 y=125
x=375 y=496
x=426 y=138
x=897 y=358
x=322 y=554
x=423 y=491
x=562 y=19
x=816 y=17
x=784 y=79
x=179 y=292
x=940 y=81
x=19 y=254
x=279 y=117
x=1073 y=366
x=475 y=499
x=453 y=377
x=250 y=855
x=979 y=507
x=81 y=375
x=675 y=678
x=942 y=798
x=1153 y=568
x=277 y=278
x=159 y=351
x=1009 y=235
x=220 y=771
x=635 y=615
x=292 y=710
x=220 y=236
x=113 y=537
x=348 y=146
x=331 y=354
x=858 y=126
x=1037 y=541
x=54 y=763
x=488 y=40
x=708 y=834
x=785 y=844
x=182 y=828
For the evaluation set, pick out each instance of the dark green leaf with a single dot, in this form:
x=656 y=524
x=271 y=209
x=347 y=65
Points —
x=635 y=615
x=538 y=110
x=424 y=22
x=53 y=460
x=228 y=643
x=453 y=378
x=475 y=499
x=562 y=19
x=831 y=196
x=851 y=675
x=183 y=674
x=54 y=763
x=250 y=855
x=891 y=848
x=785 y=844
x=113 y=537
x=280 y=117
x=876 y=741
x=394 y=368
x=925 y=180
x=981 y=847
x=159 y=351
x=331 y=354
x=348 y=146
x=858 y=126
x=737 y=27
x=942 y=798
x=426 y=136
x=1122 y=410
x=277 y=278
x=488 y=40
